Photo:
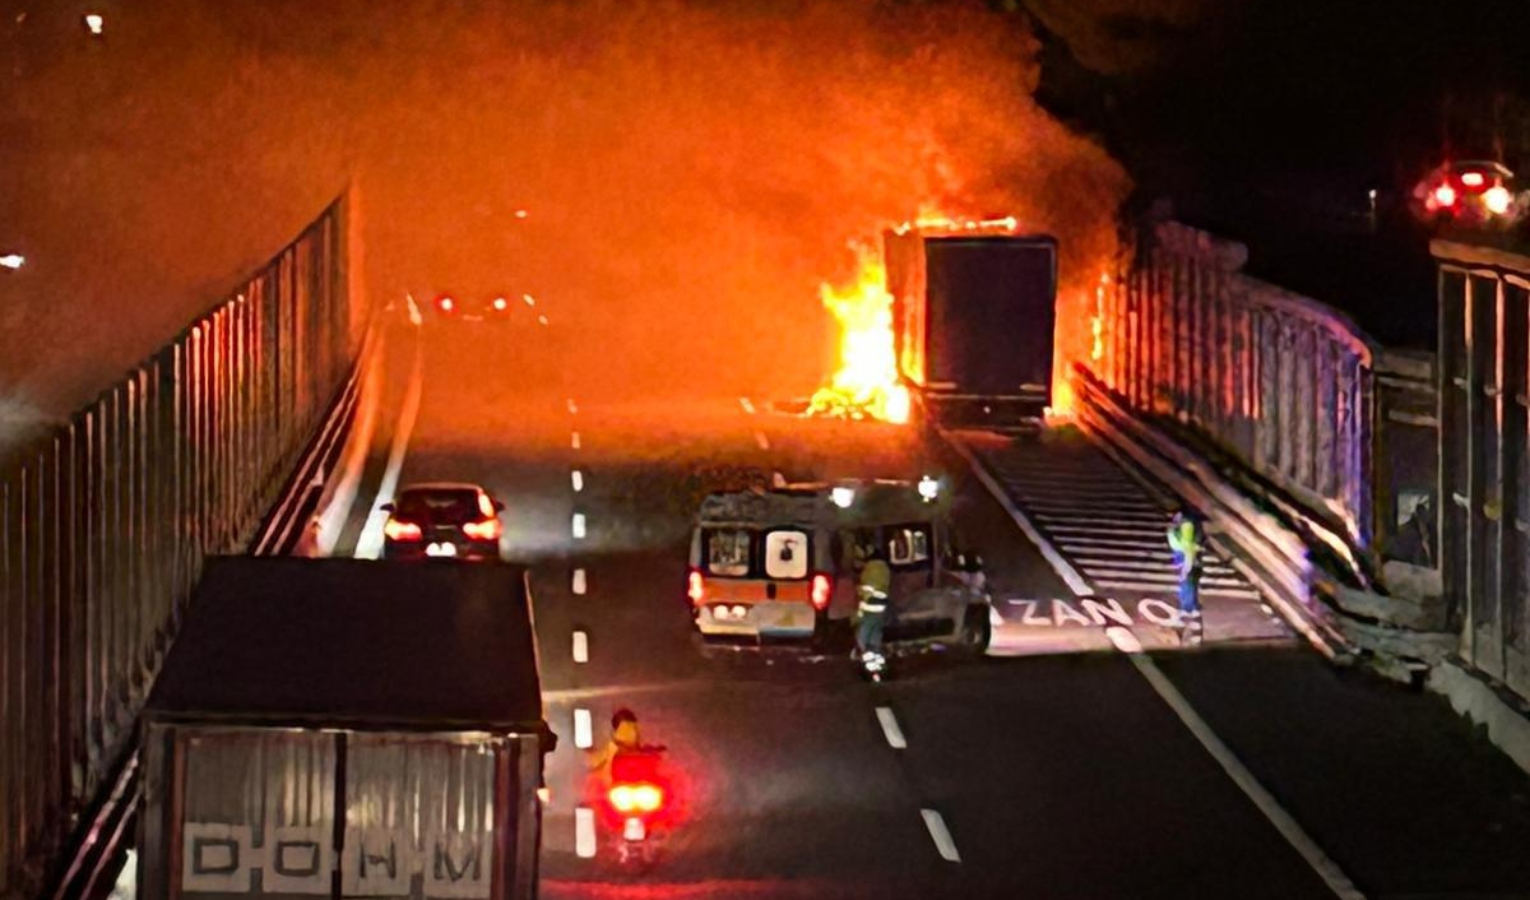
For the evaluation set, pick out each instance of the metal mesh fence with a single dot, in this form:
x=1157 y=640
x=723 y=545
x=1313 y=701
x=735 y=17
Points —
x=104 y=526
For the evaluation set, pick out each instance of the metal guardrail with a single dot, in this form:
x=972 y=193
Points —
x=104 y=526
x=1280 y=382
x=1484 y=378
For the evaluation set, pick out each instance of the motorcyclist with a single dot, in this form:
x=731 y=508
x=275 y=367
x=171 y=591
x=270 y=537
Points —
x=625 y=738
x=872 y=589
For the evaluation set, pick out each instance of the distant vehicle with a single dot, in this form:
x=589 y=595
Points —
x=974 y=315
x=782 y=563
x=443 y=521
x=337 y=727
x=1471 y=193
x=471 y=308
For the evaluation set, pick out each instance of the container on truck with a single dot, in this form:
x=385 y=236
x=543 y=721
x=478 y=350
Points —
x=974 y=316
x=342 y=728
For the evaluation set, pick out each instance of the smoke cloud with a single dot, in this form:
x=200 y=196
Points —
x=689 y=172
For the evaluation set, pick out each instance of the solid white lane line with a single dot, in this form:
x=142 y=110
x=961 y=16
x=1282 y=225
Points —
x=1070 y=575
x=1124 y=639
x=762 y=440
x=748 y=407
x=584 y=731
x=942 y=836
x=572 y=406
x=580 y=584
x=370 y=544
x=579 y=525
x=890 y=728
x=575 y=442
x=584 y=832
x=1295 y=835
x=577 y=477
x=581 y=647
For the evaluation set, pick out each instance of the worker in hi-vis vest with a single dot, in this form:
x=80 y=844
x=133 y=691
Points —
x=1186 y=535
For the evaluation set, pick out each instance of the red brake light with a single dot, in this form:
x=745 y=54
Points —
x=399 y=530
x=1445 y=195
x=821 y=592
x=635 y=798
x=486 y=530
x=697 y=587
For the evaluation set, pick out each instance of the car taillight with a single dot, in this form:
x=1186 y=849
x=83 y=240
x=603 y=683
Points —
x=399 y=530
x=821 y=592
x=635 y=798
x=487 y=530
x=696 y=587
x=1445 y=195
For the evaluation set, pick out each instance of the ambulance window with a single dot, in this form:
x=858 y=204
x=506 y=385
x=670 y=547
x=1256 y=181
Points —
x=728 y=553
x=786 y=554
x=907 y=546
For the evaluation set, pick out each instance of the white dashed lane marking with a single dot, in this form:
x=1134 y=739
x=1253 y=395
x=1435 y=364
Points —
x=890 y=728
x=580 y=584
x=748 y=407
x=581 y=647
x=577 y=477
x=584 y=731
x=944 y=844
x=584 y=832
x=762 y=440
x=575 y=442
x=572 y=406
x=579 y=525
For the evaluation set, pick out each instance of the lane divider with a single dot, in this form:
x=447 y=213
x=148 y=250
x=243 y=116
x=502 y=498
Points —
x=577 y=477
x=890 y=728
x=579 y=586
x=579 y=525
x=581 y=647
x=762 y=440
x=748 y=407
x=584 y=730
x=575 y=442
x=572 y=406
x=584 y=832
x=944 y=844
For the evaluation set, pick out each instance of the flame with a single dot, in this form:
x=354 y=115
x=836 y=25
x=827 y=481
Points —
x=866 y=384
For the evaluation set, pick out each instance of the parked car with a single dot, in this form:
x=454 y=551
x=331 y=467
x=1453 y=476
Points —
x=443 y=521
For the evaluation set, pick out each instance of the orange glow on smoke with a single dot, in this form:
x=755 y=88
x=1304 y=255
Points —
x=866 y=383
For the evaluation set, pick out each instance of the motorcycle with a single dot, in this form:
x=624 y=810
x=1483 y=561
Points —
x=636 y=800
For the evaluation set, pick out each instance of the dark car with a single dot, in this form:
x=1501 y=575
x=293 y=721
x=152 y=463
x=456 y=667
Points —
x=443 y=521
x=471 y=308
x=1473 y=192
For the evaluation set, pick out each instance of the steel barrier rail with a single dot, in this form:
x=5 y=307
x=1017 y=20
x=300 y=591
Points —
x=104 y=526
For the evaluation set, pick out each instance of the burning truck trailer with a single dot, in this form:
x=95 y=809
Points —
x=974 y=314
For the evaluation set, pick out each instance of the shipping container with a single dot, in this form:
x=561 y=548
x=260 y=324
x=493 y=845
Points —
x=344 y=728
x=974 y=317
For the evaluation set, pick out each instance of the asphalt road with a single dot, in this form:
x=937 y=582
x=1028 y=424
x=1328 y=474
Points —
x=1234 y=772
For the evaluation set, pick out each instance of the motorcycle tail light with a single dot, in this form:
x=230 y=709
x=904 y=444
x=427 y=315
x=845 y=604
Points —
x=821 y=592
x=635 y=798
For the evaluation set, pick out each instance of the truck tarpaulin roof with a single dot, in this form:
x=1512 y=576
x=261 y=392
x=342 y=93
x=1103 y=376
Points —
x=355 y=644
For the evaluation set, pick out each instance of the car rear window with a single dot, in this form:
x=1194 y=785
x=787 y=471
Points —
x=728 y=552
x=908 y=545
x=439 y=506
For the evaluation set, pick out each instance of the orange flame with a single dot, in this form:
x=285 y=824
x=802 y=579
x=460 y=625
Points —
x=866 y=384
